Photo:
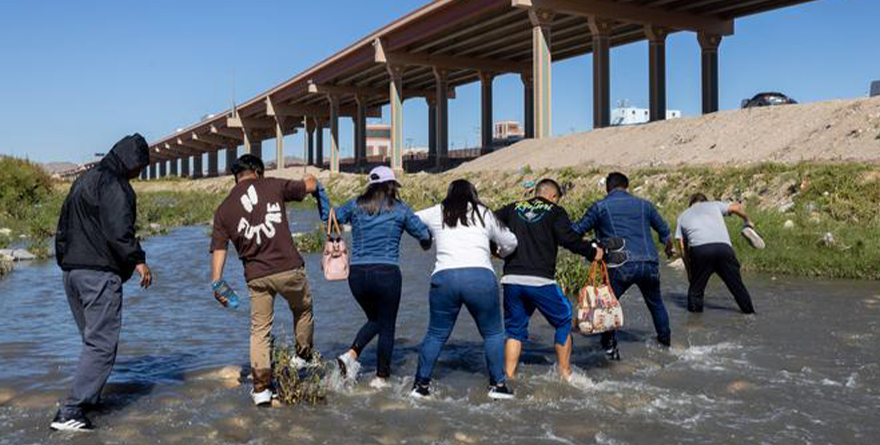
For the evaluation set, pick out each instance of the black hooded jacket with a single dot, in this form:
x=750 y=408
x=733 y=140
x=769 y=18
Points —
x=96 y=229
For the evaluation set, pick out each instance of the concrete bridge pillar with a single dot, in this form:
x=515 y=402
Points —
x=396 y=99
x=657 y=71
x=319 y=144
x=360 y=132
x=198 y=172
x=174 y=167
x=213 y=162
x=709 y=44
x=334 y=133
x=542 y=60
x=486 y=121
x=309 y=141
x=163 y=169
x=231 y=156
x=601 y=30
x=441 y=77
x=432 y=130
x=528 y=105
x=279 y=144
x=184 y=167
x=145 y=174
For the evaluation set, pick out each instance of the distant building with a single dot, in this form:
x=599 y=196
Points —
x=875 y=88
x=507 y=131
x=378 y=140
x=633 y=115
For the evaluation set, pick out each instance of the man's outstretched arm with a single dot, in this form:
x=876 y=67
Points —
x=218 y=264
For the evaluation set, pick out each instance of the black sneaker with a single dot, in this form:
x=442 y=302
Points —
x=613 y=353
x=664 y=341
x=74 y=423
x=420 y=391
x=500 y=392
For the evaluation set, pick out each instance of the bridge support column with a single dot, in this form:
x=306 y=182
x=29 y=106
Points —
x=528 y=105
x=231 y=156
x=334 y=133
x=319 y=144
x=145 y=174
x=184 y=167
x=542 y=61
x=173 y=163
x=279 y=144
x=432 y=131
x=198 y=171
x=486 y=122
x=256 y=148
x=657 y=71
x=441 y=77
x=153 y=167
x=709 y=44
x=213 y=164
x=601 y=30
x=163 y=169
x=396 y=99
x=360 y=133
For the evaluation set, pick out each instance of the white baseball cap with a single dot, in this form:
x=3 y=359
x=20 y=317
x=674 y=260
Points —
x=382 y=174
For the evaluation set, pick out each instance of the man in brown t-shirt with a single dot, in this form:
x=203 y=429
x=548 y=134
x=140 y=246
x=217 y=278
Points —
x=254 y=219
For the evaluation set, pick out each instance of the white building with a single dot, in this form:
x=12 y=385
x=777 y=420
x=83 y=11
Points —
x=508 y=130
x=378 y=140
x=633 y=115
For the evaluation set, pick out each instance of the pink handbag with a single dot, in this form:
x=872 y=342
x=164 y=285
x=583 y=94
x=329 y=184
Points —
x=335 y=260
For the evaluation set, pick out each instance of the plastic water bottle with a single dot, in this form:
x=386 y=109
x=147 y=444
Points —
x=222 y=289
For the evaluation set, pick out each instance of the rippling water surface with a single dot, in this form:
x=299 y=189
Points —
x=805 y=370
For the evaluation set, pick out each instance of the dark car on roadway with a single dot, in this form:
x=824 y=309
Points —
x=767 y=100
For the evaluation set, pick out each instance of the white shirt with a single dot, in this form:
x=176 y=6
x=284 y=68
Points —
x=467 y=246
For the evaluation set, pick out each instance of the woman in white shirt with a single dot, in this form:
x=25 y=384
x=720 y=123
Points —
x=465 y=231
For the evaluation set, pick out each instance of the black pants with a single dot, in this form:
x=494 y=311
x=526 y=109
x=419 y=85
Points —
x=376 y=287
x=715 y=258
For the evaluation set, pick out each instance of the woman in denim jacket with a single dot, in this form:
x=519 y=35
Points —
x=378 y=219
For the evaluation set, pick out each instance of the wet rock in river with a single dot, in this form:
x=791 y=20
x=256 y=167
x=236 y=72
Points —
x=738 y=386
x=677 y=264
x=464 y=438
x=17 y=254
x=6 y=394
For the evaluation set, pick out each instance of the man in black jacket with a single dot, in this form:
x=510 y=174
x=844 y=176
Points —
x=97 y=249
x=529 y=278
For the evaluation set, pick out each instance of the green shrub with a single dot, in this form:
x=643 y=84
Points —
x=23 y=184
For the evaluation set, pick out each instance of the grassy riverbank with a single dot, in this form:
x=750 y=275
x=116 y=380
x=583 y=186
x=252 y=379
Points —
x=819 y=220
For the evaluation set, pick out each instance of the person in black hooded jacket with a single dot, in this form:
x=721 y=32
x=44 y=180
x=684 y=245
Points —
x=97 y=249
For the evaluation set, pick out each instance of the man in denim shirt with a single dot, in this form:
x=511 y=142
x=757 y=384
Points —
x=622 y=215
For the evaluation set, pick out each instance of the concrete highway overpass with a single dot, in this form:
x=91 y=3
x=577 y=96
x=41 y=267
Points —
x=447 y=43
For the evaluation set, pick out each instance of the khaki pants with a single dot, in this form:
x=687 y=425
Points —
x=294 y=287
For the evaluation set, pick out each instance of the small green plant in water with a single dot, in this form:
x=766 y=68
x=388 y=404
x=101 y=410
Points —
x=310 y=242
x=294 y=386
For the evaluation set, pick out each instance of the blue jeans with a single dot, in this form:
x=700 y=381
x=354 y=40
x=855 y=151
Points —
x=645 y=275
x=376 y=287
x=477 y=289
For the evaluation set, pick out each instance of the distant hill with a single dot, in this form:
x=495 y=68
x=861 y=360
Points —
x=58 y=167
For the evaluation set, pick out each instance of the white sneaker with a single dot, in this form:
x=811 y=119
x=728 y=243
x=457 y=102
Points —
x=262 y=398
x=348 y=365
x=379 y=383
x=299 y=363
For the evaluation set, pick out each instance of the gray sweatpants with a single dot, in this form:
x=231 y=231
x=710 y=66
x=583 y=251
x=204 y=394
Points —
x=95 y=300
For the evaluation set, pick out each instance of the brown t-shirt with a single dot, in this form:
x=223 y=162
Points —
x=254 y=218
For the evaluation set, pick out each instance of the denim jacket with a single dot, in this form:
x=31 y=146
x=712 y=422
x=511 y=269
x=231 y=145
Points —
x=622 y=215
x=375 y=239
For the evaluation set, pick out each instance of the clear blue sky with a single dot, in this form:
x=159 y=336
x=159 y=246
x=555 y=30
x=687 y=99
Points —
x=77 y=75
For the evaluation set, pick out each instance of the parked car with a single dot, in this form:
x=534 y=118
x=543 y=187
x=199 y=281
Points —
x=767 y=100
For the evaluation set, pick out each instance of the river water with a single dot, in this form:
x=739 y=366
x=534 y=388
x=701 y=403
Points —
x=805 y=370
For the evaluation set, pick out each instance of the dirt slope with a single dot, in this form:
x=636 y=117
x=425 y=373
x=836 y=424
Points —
x=841 y=130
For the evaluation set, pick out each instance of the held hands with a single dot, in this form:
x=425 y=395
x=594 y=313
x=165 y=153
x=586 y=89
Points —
x=146 y=276
x=311 y=183
x=670 y=249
